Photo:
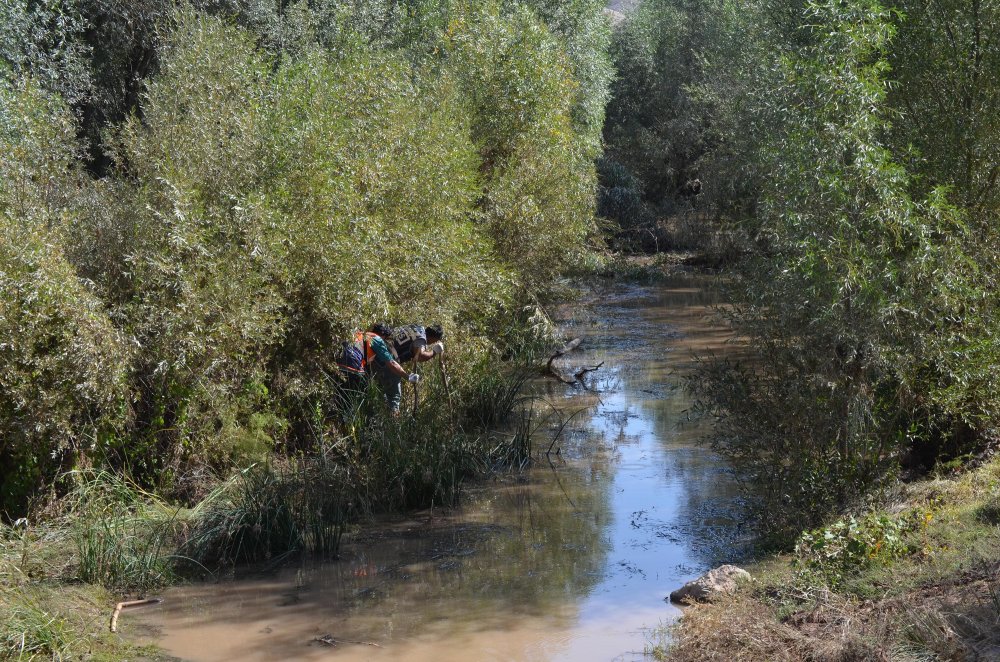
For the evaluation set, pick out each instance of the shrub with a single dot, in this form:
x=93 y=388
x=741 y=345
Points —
x=278 y=185
x=539 y=184
x=62 y=362
x=843 y=299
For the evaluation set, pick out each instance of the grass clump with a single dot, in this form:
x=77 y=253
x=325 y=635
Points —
x=269 y=511
x=122 y=535
x=989 y=512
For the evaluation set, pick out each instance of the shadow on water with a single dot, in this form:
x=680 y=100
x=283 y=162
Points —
x=569 y=560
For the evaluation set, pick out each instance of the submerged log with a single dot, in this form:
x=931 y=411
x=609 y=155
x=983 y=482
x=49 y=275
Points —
x=567 y=348
x=583 y=371
x=561 y=376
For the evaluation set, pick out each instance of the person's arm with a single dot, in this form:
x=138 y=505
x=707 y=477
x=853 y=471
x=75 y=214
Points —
x=398 y=370
x=428 y=352
x=384 y=357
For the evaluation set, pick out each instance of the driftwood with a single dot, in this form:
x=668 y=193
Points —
x=569 y=347
x=565 y=379
x=330 y=640
x=129 y=603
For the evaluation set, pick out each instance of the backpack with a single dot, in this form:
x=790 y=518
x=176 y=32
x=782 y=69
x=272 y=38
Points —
x=404 y=341
x=356 y=355
x=352 y=358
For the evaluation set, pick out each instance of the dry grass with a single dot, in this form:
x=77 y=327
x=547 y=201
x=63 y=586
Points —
x=953 y=623
x=734 y=630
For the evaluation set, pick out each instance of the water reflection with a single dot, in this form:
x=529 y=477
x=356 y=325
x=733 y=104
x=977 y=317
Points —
x=568 y=561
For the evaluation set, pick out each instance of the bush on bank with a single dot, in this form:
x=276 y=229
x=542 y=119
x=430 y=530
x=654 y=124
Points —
x=277 y=185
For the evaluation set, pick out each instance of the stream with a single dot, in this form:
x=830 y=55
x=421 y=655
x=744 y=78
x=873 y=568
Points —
x=569 y=560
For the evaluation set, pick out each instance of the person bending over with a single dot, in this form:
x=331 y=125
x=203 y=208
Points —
x=387 y=369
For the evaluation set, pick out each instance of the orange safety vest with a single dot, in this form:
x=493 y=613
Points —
x=365 y=340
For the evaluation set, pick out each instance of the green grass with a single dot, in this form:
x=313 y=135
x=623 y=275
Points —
x=122 y=535
x=58 y=621
x=269 y=511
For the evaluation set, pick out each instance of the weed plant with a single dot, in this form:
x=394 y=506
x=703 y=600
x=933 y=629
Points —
x=30 y=630
x=495 y=394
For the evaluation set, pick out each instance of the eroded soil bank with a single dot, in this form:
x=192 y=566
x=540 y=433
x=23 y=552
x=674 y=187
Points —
x=569 y=560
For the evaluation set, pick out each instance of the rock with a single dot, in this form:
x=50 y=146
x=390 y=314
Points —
x=721 y=581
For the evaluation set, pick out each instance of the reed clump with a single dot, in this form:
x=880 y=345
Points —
x=269 y=511
x=122 y=535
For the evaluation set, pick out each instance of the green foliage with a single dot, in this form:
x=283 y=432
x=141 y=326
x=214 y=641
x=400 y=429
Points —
x=655 y=127
x=537 y=201
x=286 y=175
x=849 y=545
x=45 y=40
x=948 y=99
x=203 y=308
x=586 y=34
x=266 y=512
x=854 y=268
x=62 y=380
x=620 y=198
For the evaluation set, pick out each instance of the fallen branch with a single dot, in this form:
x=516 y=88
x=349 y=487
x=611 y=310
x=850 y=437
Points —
x=561 y=377
x=129 y=603
x=569 y=347
x=583 y=371
x=329 y=640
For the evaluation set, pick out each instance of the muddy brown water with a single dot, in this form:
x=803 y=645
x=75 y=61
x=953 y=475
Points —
x=570 y=560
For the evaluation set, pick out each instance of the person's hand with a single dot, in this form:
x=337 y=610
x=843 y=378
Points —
x=437 y=348
x=413 y=378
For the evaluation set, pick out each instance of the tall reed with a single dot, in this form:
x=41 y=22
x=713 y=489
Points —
x=271 y=510
x=123 y=535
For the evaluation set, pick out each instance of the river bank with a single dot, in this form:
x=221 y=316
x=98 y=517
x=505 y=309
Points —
x=916 y=580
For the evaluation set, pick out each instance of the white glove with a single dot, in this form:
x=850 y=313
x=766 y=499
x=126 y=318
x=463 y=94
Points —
x=437 y=348
x=413 y=378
